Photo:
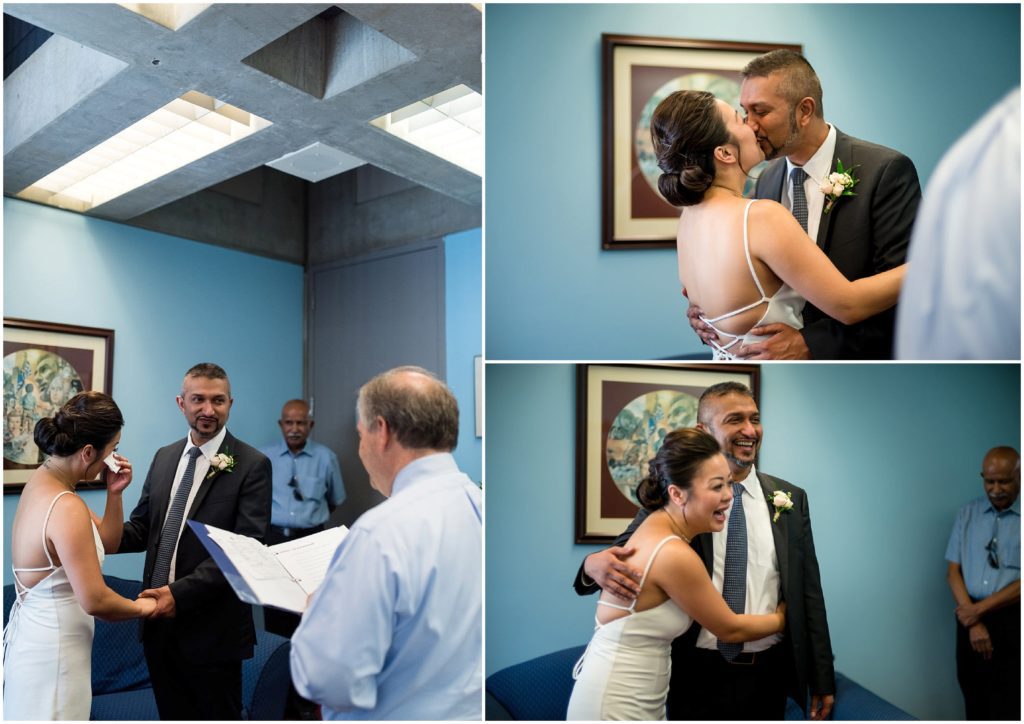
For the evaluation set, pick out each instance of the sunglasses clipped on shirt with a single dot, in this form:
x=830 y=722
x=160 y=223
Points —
x=294 y=485
x=993 y=553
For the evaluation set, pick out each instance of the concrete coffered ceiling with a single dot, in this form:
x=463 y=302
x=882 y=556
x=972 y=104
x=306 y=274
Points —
x=318 y=73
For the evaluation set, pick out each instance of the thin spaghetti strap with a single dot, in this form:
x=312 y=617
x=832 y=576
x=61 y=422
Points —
x=746 y=250
x=46 y=520
x=650 y=560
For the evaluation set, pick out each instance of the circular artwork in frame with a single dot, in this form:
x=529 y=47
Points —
x=726 y=89
x=637 y=432
x=36 y=383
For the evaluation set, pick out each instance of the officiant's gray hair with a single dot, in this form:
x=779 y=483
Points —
x=419 y=408
x=798 y=79
x=713 y=393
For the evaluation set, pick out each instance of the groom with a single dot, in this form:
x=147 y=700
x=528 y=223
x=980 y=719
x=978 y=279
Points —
x=200 y=632
x=781 y=562
x=863 y=234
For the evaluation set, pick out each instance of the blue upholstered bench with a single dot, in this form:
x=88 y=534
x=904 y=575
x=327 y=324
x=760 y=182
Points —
x=120 y=680
x=539 y=689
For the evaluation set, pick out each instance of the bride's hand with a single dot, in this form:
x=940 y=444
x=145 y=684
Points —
x=117 y=482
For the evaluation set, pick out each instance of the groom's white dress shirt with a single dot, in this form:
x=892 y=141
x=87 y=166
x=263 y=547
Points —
x=762 y=563
x=817 y=168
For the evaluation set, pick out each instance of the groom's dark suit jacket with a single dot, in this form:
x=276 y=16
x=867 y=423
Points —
x=862 y=235
x=211 y=624
x=806 y=640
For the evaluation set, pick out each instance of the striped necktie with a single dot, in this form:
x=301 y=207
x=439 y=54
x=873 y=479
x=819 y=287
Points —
x=734 y=585
x=172 y=525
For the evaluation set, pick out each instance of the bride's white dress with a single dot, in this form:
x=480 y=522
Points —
x=624 y=673
x=48 y=646
x=786 y=306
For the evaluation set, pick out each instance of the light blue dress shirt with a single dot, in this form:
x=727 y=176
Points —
x=395 y=630
x=318 y=479
x=976 y=524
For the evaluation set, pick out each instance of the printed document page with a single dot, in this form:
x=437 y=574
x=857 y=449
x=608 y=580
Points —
x=283 y=575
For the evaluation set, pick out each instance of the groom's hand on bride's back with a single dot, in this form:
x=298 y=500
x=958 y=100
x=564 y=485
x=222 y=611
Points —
x=610 y=571
x=783 y=342
x=700 y=327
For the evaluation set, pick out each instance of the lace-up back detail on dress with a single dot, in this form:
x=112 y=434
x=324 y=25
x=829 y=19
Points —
x=785 y=306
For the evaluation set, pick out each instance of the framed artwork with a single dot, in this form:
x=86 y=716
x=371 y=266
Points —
x=623 y=413
x=45 y=365
x=638 y=73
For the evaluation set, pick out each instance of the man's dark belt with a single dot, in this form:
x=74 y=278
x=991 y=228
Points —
x=296 y=532
x=744 y=658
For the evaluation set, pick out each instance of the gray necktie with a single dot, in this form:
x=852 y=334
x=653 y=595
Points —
x=734 y=585
x=799 y=197
x=169 y=533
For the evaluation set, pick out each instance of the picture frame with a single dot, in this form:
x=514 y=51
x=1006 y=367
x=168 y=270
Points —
x=45 y=364
x=622 y=411
x=637 y=73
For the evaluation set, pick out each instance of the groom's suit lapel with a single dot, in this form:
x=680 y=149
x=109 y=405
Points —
x=844 y=152
x=780 y=530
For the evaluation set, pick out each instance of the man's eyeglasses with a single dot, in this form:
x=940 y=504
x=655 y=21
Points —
x=993 y=553
x=294 y=485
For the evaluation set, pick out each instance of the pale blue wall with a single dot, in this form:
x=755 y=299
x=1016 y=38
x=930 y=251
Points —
x=171 y=303
x=887 y=453
x=463 y=260
x=912 y=77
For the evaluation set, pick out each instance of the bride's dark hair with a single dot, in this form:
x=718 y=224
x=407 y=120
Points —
x=88 y=418
x=677 y=462
x=685 y=129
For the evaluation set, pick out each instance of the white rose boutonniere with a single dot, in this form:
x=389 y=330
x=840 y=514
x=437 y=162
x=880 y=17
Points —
x=783 y=503
x=221 y=462
x=838 y=183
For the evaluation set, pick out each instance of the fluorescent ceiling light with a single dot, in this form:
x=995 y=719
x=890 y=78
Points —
x=183 y=131
x=449 y=125
x=170 y=15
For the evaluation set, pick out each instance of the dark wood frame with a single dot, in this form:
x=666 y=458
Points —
x=14 y=478
x=750 y=375
x=609 y=43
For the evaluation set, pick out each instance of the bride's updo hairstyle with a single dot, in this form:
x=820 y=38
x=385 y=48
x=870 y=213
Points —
x=88 y=418
x=677 y=462
x=686 y=128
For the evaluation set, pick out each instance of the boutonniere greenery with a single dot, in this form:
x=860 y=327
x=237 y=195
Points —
x=838 y=183
x=221 y=462
x=782 y=501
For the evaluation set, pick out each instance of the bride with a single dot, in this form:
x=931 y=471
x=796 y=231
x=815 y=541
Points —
x=624 y=673
x=57 y=546
x=705 y=152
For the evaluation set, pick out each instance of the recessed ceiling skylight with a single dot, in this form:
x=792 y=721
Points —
x=183 y=131
x=449 y=125
x=170 y=15
x=316 y=162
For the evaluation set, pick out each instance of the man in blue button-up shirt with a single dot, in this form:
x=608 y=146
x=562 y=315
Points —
x=307 y=489
x=984 y=575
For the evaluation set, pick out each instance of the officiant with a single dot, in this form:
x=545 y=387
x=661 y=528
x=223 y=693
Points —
x=395 y=629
